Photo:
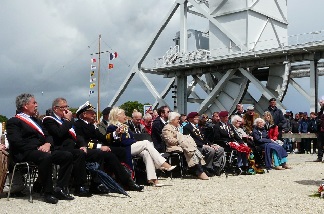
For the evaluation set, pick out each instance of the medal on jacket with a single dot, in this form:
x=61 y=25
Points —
x=90 y=144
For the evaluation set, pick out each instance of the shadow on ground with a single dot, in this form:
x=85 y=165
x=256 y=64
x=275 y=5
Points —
x=310 y=182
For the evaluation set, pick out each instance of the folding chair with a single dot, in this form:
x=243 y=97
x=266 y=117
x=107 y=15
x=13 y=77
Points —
x=179 y=156
x=30 y=177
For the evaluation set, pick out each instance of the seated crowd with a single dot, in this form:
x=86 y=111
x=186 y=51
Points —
x=71 y=143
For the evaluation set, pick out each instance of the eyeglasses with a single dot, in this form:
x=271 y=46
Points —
x=239 y=121
x=62 y=107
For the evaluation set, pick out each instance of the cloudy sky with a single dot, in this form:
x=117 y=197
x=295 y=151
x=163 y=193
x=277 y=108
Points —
x=46 y=46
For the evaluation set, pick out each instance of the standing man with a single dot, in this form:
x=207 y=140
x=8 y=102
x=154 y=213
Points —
x=102 y=126
x=60 y=125
x=278 y=117
x=157 y=127
x=30 y=141
x=239 y=110
x=212 y=152
x=320 y=131
x=249 y=118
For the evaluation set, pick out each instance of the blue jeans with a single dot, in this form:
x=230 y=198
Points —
x=241 y=159
x=287 y=144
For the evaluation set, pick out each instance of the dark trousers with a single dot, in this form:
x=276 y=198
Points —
x=112 y=163
x=79 y=173
x=320 y=144
x=44 y=162
x=120 y=152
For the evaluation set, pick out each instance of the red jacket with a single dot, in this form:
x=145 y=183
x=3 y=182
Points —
x=273 y=133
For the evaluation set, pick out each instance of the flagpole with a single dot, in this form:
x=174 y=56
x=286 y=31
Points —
x=98 y=103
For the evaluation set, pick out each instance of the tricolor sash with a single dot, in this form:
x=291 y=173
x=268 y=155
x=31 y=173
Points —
x=27 y=119
x=71 y=130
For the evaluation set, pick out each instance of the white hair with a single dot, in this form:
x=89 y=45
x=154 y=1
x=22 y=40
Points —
x=173 y=115
x=136 y=113
x=147 y=116
x=235 y=118
x=256 y=121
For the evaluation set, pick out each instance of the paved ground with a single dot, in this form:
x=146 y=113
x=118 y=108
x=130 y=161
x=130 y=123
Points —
x=286 y=191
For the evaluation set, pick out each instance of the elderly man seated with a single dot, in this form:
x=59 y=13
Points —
x=135 y=124
x=30 y=141
x=212 y=152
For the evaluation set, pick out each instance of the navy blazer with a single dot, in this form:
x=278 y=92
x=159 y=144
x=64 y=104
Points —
x=60 y=133
x=221 y=134
x=23 y=138
x=87 y=133
x=157 y=127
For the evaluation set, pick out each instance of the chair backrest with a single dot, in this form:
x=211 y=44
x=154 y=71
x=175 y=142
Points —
x=142 y=136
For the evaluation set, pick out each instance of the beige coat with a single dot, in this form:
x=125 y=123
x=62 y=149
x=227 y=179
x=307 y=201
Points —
x=175 y=141
x=169 y=136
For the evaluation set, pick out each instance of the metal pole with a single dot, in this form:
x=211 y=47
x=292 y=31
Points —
x=98 y=103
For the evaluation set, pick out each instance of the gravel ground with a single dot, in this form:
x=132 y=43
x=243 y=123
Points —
x=284 y=191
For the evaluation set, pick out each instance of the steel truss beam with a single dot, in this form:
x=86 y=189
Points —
x=136 y=68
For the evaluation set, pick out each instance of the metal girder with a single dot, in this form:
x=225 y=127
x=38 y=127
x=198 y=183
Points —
x=260 y=34
x=151 y=88
x=122 y=88
x=164 y=92
x=281 y=12
x=313 y=78
x=210 y=80
x=136 y=68
x=202 y=84
x=210 y=98
x=299 y=89
x=266 y=93
x=216 y=23
x=219 y=7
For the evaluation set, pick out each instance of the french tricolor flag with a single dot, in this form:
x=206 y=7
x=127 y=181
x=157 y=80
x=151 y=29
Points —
x=113 y=55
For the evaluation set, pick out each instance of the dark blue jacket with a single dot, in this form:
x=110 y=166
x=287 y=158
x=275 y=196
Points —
x=260 y=137
x=278 y=117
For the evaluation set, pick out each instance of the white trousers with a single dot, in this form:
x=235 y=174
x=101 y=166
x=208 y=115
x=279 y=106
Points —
x=151 y=157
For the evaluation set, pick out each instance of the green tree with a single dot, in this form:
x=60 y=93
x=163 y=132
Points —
x=73 y=110
x=129 y=107
x=3 y=118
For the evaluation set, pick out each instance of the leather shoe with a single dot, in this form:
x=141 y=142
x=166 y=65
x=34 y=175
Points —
x=82 y=192
x=317 y=160
x=48 y=198
x=99 y=190
x=217 y=171
x=134 y=186
x=60 y=194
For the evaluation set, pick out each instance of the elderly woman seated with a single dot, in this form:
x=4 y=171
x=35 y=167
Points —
x=145 y=149
x=271 y=148
x=242 y=155
x=175 y=141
